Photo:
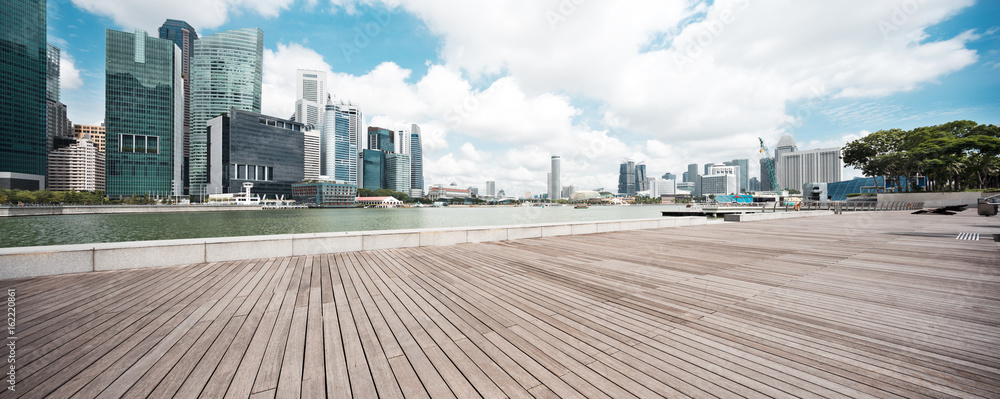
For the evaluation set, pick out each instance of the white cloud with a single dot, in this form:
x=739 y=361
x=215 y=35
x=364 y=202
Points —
x=202 y=14
x=69 y=76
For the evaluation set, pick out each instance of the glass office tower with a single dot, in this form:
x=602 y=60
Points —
x=23 y=52
x=226 y=72
x=183 y=35
x=144 y=110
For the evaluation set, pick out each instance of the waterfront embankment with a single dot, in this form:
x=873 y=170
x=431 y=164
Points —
x=44 y=210
x=21 y=262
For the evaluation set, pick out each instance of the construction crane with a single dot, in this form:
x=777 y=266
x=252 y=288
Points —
x=768 y=165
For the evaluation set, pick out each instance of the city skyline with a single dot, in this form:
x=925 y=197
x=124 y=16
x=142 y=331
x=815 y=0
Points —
x=405 y=65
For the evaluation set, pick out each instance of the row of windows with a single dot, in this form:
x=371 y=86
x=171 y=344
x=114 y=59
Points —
x=138 y=143
x=251 y=172
x=276 y=123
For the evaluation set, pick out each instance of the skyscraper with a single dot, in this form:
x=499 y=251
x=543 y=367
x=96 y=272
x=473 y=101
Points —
x=339 y=141
x=397 y=172
x=744 y=165
x=381 y=144
x=555 y=186
x=795 y=168
x=251 y=147
x=310 y=92
x=144 y=115
x=183 y=35
x=226 y=72
x=311 y=154
x=626 y=178
x=58 y=128
x=416 y=163
x=491 y=189
x=641 y=184
x=692 y=173
x=23 y=160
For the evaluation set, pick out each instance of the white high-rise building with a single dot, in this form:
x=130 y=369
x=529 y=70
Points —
x=795 y=168
x=310 y=92
x=402 y=142
x=658 y=187
x=78 y=166
x=491 y=188
x=339 y=144
x=311 y=154
x=555 y=185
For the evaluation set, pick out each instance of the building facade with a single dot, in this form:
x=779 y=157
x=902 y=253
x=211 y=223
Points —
x=144 y=110
x=719 y=184
x=183 y=35
x=641 y=181
x=692 y=173
x=250 y=147
x=373 y=164
x=795 y=168
x=491 y=189
x=226 y=73
x=23 y=160
x=339 y=142
x=744 y=165
x=397 y=172
x=627 y=179
x=311 y=154
x=325 y=194
x=439 y=192
x=78 y=166
x=669 y=176
x=310 y=97
x=416 y=163
x=96 y=133
x=555 y=185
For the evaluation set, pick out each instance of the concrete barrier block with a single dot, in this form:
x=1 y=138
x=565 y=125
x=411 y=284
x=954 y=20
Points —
x=630 y=225
x=667 y=222
x=381 y=240
x=141 y=254
x=326 y=243
x=517 y=233
x=583 y=228
x=557 y=230
x=607 y=227
x=45 y=261
x=486 y=235
x=256 y=247
x=444 y=237
x=649 y=224
x=697 y=221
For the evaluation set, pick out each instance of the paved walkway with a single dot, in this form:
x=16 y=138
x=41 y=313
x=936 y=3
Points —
x=858 y=305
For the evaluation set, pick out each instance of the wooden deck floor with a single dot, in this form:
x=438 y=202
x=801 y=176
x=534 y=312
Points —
x=857 y=305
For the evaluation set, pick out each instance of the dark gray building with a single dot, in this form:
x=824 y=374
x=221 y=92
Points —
x=247 y=146
x=23 y=160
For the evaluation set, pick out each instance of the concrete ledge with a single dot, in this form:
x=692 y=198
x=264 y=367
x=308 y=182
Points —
x=517 y=233
x=25 y=262
x=326 y=243
x=253 y=247
x=557 y=230
x=443 y=237
x=583 y=228
x=64 y=259
x=389 y=240
x=487 y=234
x=753 y=217
x=607 y=227
x=141 y=254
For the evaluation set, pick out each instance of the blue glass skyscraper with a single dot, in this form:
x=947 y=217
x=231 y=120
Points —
x=23 y=52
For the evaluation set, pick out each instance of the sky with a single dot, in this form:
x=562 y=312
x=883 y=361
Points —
x=498 y=87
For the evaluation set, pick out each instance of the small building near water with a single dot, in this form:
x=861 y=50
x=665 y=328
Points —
x=379 y=202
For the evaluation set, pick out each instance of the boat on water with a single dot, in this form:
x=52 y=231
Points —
x=581 y=207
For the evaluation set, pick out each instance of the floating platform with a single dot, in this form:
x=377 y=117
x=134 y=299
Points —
x=713 y=211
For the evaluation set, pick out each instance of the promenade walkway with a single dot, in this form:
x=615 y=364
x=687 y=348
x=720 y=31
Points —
x=858 y=305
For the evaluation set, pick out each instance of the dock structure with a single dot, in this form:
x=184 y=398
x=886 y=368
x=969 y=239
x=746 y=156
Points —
x=883 y=304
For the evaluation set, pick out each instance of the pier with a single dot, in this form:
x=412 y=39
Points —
x=863 y=304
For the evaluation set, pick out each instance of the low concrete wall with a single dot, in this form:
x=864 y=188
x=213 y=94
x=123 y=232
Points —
x=936 y=200
x=25 y=262
x=753 y=217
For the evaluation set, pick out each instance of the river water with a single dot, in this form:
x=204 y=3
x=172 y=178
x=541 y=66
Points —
x=83 y=229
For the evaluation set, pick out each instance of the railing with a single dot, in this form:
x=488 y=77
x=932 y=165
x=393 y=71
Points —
x=855 y=206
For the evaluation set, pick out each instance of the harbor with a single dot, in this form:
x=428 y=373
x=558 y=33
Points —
x=871 y=304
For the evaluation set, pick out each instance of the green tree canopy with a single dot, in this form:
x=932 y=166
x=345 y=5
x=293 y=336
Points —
x=952 y=156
